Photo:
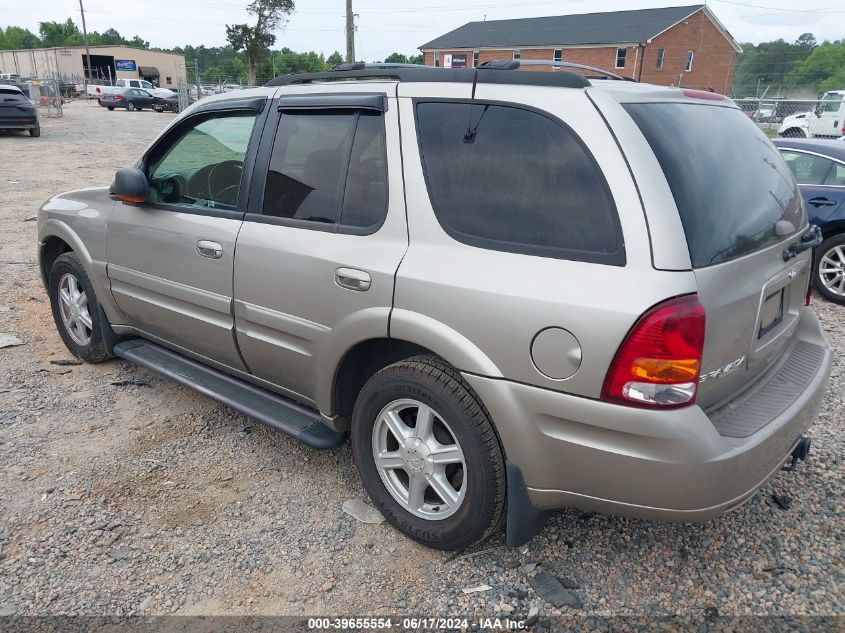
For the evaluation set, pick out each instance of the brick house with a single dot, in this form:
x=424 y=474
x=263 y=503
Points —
x=671 y=46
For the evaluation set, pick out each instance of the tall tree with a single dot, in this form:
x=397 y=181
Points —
x=255 y=41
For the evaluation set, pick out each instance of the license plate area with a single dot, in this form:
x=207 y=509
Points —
x=771 y=313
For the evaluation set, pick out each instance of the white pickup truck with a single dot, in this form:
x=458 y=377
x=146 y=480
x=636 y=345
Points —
x=97 y=92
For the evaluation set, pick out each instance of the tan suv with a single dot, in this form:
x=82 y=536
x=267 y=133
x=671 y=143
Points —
x=516 y=291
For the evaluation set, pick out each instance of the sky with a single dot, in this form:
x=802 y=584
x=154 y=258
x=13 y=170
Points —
x=385 y=26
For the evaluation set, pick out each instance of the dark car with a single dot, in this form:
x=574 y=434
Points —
x=17 y=112
x=167 y=104
x=132 y=99
x=819 y=169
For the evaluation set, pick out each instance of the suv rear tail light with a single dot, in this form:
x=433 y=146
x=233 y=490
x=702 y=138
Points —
x=659 y=362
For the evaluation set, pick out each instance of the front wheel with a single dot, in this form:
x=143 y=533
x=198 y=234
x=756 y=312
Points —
x=76 y=310
x=829 y=274
x=35 y=132
x=428 y=454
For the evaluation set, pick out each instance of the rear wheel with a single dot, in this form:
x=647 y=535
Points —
x=428 y=454
x=130 y=106
x=35 y=132
x=76 y=310
x=829 y=276
x=110 y=108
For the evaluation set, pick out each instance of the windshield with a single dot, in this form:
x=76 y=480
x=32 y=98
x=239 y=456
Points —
x=730 y=184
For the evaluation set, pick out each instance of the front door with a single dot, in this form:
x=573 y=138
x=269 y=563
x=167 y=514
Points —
x=316 y=258
x=827 y=119
x=170 y=258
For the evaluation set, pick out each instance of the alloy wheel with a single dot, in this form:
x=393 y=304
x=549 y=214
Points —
x=419 y=459
x=73 y=308
x=832 y=270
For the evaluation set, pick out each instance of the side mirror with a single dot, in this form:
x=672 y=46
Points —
x=130 y=185
x=818 y=109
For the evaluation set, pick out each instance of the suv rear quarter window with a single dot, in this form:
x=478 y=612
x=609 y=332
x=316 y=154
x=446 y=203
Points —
x=511 y=179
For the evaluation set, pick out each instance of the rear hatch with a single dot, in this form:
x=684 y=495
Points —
x=15 y=108
x=740 y=208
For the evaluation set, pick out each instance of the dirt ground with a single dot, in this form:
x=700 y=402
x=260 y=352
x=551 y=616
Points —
x=121 y=492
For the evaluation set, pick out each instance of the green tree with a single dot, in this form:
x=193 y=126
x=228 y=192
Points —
x=335 y=59
x=60 y=33
x=15 y=37
x=396 y=58
x=254 y=41
x=416 y=59
x=822 y=70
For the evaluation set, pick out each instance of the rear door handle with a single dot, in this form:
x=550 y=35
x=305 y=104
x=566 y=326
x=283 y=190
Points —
x=212 y=250
x=353 y=279
x=822 y=202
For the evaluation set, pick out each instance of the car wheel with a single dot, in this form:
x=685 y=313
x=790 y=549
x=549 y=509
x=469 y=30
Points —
x=130 y=106
x=76 y=310
x=428 y=454
x=35 y=132
x=829 y=277
x=110 y=108
x=794 y=132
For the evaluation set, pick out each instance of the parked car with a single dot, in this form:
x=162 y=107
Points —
x=131 y=99
x=122 y=85
x=819 y=169
x=795 y=125
x=231 y=87
x=166 y=104
x=17 y=111
x=828 y=118
x=208 y=90
x=528 y=292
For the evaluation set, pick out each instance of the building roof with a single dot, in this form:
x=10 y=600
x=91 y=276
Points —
x=611 y=27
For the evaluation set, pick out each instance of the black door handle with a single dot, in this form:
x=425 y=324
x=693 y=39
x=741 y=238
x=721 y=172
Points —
x=822 y=202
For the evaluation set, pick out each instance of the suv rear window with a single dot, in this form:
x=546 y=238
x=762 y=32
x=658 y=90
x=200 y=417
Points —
x=730 y=184
x=510 y=179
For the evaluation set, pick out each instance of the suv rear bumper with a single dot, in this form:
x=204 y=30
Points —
x=668 y=465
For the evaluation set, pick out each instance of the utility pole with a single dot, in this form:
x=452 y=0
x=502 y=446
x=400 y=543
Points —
x=350 y=33
x=197 y=73
x=87 y=52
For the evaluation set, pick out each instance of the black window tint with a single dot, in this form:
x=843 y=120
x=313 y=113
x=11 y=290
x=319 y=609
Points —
x=365 y=199
x=730 y=184
x=308 y=166
x=513 y=180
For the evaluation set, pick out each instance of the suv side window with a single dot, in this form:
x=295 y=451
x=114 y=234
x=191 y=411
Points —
x=511 y=179
x=328 y=167
x=807 y=168
x=202 y=167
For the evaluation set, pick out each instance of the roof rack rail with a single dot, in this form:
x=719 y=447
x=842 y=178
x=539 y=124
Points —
x=418 y=73
x=546 y=62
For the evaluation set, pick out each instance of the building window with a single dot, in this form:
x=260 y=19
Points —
x=558 y=54
x=475 y=59
x=690 y=55
x=620 y=57
x=436 y=58
x=517 y=53
x=167 y=79
x=661 y=54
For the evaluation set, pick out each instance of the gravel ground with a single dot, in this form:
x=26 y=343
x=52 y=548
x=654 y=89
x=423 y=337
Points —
x=145 y=497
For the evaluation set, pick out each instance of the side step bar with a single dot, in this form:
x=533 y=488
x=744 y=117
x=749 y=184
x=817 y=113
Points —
x=259 y=404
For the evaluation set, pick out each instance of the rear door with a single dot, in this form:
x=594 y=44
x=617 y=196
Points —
x=740 y=209
x=822 y=182
x=325 y=232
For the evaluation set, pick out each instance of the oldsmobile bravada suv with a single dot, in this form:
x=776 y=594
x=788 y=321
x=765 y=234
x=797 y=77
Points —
x=515 y=291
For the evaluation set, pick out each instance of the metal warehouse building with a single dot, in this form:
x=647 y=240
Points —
x=69 y=64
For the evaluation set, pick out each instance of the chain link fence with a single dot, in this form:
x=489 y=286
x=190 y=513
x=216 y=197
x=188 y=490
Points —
x=797 y=118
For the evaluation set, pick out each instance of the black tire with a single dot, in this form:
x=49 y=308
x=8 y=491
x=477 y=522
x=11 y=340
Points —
x=35 y=132
x=110 y=108
x=438 y=385
x=824 y=248
x=793 y=132
x=95 y=351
